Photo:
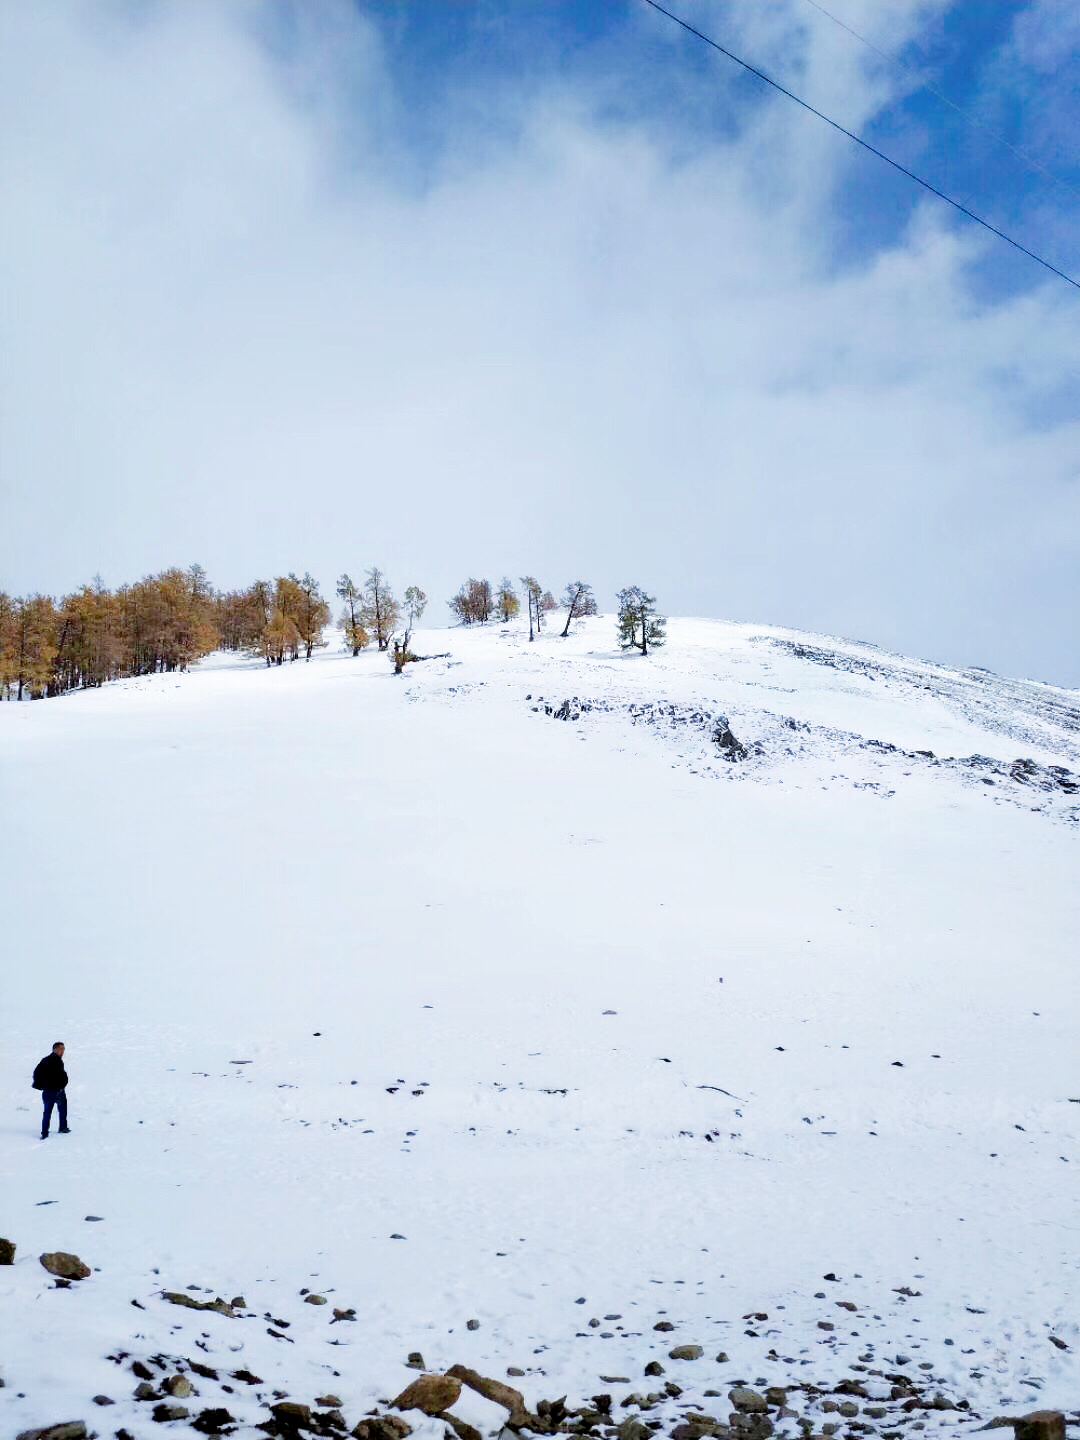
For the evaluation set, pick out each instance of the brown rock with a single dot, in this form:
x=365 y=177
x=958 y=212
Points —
x=7 y=1252
x=1040 y=1425
x=314 y=1299
x=686 y=1352
x=331 y=1401
x=504 y=1395
x=430 y=1393
x=178 y=1386
x=65 y=1266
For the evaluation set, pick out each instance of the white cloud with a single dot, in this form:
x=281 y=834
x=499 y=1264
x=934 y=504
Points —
x=245 y=334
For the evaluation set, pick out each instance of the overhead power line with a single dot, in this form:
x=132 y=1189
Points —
x=1028 y=161
x=911 y=175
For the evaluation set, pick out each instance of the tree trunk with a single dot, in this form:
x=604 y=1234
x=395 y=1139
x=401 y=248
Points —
x=570 y=615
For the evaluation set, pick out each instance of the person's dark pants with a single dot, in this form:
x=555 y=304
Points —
x=51 y=1098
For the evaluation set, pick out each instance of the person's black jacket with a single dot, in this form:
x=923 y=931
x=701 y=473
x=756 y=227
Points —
x=50 y=1073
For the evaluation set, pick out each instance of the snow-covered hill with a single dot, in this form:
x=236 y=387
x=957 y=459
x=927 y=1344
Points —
x=731 y=988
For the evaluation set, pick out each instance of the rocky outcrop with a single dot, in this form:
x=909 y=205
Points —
x=218 y=1306
x=505 y=1395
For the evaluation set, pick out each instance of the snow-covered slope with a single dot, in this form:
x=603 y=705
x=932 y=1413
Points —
x=408 y=993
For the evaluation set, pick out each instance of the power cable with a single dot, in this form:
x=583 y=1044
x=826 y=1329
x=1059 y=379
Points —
x=1028 y=161
x=911 y=175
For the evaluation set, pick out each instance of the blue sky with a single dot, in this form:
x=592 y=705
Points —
x=1003 y=146
x=551 y=288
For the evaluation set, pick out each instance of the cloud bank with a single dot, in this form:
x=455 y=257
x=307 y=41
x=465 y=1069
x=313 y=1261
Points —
x=604 y=318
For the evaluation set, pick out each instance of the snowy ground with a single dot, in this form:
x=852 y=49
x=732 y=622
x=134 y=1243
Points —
x=603 y=1025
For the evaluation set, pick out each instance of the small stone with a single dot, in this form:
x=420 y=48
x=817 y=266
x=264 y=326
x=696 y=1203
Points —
x=513 y=1370
x=238 y=1302
x=295 y=1416
x=776 y=1395
x=747 y=1401
x=103 y=1400
x=633 y=1429
x=431 y=1393
x=472 y=1324
x=663 y=1325
x=314 y=1299
x=178 y=1386
x=875 y=1412
x=145 y=1391
x=686 y=1352
x=825 y=1325
x=66 y=1430
x=330 y=1402
x=654 y=1368
x=382 y=1427
x=7 y=1252
x=65 y=1266
x=722 y=1358
x=164 y=1413
x=213 y=1421
x=415 y=1361
x=849 y=1409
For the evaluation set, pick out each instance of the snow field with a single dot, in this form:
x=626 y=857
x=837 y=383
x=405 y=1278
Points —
x=366 y=887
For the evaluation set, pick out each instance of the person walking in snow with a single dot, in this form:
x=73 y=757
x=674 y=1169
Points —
x=51 y=1079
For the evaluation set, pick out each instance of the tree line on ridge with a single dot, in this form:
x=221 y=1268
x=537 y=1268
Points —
x=168 y=621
